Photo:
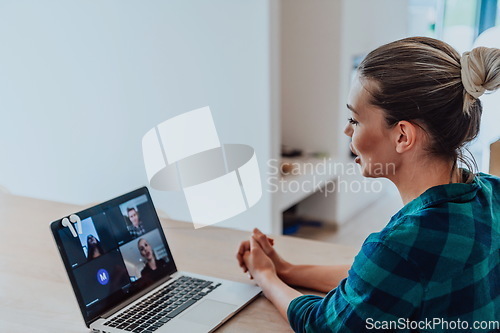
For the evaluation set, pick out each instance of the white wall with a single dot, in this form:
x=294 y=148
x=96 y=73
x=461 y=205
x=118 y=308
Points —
x=82 y=81
x=310 y=43
x=366 y=25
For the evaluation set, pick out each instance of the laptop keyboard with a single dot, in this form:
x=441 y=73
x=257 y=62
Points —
x=159 y=308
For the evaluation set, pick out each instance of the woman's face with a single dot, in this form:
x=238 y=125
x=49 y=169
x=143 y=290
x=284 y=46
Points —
x=92 y=240
x=134 y=217
x=145 y=249
x=371 y=137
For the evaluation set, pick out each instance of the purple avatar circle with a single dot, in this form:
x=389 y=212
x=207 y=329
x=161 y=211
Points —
x=103 y=276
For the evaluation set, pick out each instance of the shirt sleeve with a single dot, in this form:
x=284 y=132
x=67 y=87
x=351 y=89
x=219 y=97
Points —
x=381 y=286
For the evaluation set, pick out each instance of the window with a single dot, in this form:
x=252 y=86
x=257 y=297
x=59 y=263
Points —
x=423 y=15
x=489 y=15
x=498 y=14
x=457 y=22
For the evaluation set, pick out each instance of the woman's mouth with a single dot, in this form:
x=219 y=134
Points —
x=357 y=159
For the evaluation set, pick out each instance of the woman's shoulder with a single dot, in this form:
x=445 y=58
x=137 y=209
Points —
x=452 y=208
x=145 y=270
x=455 y=224
x=489 y=177
x=437 y=241
x=489 y=184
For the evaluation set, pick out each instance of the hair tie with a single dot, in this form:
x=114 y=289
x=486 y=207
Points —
x=473 y=89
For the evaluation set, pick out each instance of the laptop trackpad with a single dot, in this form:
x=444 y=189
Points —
x=209 y=312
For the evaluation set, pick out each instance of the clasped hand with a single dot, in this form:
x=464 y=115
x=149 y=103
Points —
x=258 y=257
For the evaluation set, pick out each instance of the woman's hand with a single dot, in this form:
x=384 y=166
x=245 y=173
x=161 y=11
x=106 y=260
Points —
x=259 y=265
x=245 y=246
x=266 y=244
x=262 y=269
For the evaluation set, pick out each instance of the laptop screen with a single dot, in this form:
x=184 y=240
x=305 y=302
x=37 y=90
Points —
x=120 y=251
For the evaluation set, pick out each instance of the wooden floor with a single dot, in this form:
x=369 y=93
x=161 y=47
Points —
x=354 y=232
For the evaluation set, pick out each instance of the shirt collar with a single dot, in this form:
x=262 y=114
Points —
x=457 y=192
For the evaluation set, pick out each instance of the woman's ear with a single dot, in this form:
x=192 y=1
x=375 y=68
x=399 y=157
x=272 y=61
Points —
x=405 y=136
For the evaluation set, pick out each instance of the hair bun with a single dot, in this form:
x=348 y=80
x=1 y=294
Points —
x=480 y=72
x=473 y=73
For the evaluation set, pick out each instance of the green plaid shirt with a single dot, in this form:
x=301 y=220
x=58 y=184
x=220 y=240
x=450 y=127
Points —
x=437 y=259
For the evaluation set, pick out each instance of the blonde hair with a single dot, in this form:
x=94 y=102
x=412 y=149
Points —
x=425 y=80
x=480 y=69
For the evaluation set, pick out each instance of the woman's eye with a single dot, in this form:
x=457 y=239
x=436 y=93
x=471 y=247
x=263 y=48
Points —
x=352 y=121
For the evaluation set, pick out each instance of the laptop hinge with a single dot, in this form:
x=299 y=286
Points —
x=129 y=301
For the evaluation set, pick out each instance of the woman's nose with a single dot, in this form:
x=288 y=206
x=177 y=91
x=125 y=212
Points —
x=348 y=130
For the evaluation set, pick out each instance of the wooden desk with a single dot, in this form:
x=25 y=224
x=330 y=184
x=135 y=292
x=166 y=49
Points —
x=36 y=296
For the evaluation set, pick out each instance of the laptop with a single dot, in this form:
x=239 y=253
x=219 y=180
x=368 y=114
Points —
x=124 y=276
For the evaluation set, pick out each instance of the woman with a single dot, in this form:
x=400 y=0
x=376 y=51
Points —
x=94 y=248
x=154 y=269
x=414 y=105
